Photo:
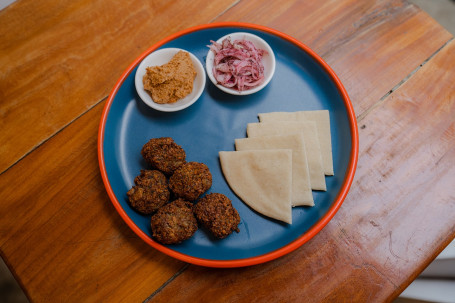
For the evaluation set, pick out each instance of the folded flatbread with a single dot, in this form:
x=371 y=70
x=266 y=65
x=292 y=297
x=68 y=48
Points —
x=322 y=120
x=312 y=147
x=301 y=189
x=262 y=179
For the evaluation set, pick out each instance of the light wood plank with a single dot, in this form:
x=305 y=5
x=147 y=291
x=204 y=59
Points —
x=54 y=197
x=61 y=234
x=58 y=58
x=371 y=45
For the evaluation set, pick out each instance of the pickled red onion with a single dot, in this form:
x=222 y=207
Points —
x=237 y=64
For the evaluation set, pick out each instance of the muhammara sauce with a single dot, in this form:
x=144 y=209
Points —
x=172 y=81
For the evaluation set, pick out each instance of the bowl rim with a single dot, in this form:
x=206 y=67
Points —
x=180 y=104
x=268 y=76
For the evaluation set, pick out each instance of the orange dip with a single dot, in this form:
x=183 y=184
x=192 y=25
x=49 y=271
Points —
x=172 y=81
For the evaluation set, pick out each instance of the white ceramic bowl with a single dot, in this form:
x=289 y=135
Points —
x=267 y=60
x=161 y=57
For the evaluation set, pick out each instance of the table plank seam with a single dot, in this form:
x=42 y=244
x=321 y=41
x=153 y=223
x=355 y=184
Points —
x=88 y=109
x=223 y=12
x=403 y=81
x=52 y=135
x=178 y=273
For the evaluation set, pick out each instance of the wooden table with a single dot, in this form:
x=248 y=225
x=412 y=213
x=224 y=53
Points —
x=62 y=238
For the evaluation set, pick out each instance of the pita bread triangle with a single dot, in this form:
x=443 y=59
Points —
x=313 y=151
x=322 y=120
x=262 y=179
x=301 y=188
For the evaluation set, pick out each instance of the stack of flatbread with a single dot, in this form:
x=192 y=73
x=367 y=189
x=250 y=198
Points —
x=284 y=158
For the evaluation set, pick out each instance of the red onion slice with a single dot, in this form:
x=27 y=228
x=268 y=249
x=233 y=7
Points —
x=237 y=64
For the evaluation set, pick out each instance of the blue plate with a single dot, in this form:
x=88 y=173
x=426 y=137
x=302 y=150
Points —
x=302 y=81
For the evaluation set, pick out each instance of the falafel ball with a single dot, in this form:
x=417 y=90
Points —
x=174 y=222
x=163 y=154
x=150 y=192
x=216 y=213
x=190 y=181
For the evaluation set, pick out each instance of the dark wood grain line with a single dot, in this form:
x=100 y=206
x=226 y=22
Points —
x=369 y=22
x=223 y=12
x=80 y=48
x=361 y=116
x=39 y=144
x=178 y=273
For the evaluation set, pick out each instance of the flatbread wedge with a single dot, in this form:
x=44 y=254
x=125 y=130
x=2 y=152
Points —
x=301 y=188
x=262 y=179
x=322 y=120
x=312 y=147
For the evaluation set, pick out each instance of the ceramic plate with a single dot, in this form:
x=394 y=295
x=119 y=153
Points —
x=302 y=81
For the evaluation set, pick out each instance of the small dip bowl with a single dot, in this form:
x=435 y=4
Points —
x=268 y=61
x=161 y=57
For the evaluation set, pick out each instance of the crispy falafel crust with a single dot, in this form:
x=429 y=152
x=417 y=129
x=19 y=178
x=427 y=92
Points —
x=191 y=180
x=216 y=213
x=163 y=154
x=174 y=222
x=150 y=192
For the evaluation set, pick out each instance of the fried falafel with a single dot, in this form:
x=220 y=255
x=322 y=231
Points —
x=174 y=222
x=163 y=154
x=191 y=180
x=216 y=213
x=150 y=192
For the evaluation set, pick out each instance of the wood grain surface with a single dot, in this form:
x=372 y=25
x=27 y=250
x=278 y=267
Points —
x=401 y=201
x=58 y=59
x=61 y=236
x=371 y=45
